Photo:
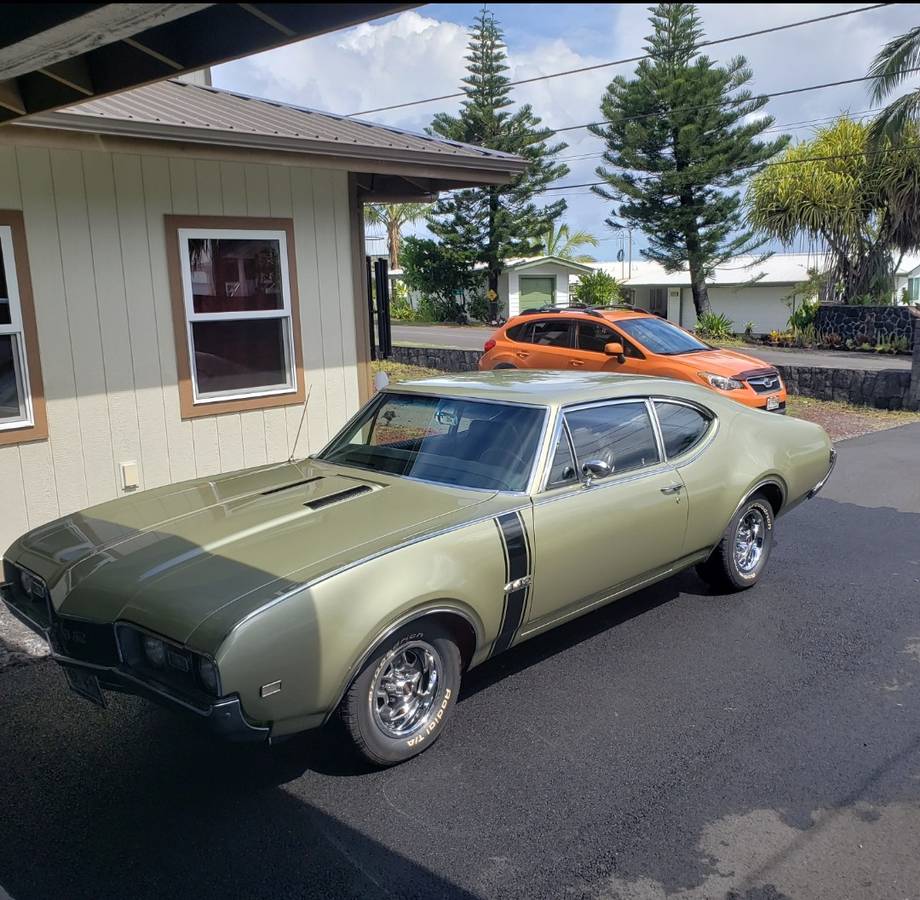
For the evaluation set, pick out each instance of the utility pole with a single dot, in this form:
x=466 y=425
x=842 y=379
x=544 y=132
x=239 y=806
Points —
x=629 y=233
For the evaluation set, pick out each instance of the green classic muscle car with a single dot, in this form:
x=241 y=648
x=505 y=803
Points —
x=451 y=519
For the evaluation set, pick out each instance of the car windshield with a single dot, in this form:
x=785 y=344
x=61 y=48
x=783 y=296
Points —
x=467 y=443
x=661 y=337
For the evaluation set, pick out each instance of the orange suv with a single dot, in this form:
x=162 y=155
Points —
x=628 y=340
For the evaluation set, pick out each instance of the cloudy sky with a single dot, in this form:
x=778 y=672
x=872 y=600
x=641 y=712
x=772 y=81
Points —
x=420 y=53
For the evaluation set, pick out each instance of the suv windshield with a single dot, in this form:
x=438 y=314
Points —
x=661 y=337
x=467 y=443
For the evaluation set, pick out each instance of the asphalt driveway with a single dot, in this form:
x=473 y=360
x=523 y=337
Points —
x=473 y=337
x=758 y=746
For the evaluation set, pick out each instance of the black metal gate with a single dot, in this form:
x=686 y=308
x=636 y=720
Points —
x=378 y=303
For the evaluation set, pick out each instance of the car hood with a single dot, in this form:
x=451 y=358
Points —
x=169 y=558
x=723 y=362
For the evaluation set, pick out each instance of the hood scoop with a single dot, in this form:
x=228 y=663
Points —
x=338 y=497
x=292 y=484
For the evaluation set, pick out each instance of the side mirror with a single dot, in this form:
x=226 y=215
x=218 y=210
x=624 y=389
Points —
x=615 y=348
x=594 y=469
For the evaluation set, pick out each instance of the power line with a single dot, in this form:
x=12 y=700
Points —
x=778 y=162
x=862 y=114
x=736 y=101
x=630 y=59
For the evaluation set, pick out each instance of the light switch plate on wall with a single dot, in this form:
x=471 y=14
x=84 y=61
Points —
x=129 y=478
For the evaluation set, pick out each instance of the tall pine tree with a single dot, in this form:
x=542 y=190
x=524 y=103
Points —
x=494 y=223
x=678 y=143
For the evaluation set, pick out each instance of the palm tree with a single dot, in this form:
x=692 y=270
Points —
x=564 y=244
x=394 y=216
x=889 y=69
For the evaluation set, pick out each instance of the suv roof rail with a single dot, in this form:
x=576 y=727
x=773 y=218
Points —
x=575 y=307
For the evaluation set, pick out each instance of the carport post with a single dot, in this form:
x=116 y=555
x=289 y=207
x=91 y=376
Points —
x=913 y=392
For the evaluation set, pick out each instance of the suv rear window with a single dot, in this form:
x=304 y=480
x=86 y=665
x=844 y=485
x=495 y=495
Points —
x=552 y=333
x=519 y=332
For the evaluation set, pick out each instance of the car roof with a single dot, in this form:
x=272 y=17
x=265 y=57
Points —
x=546 y=388
x=562 y=312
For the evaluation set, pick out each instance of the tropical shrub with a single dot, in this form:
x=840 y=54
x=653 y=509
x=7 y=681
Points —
x=715 y=326
x=400 y=307
x=597 y=289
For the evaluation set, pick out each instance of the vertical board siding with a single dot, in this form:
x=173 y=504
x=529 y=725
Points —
x=66 y=490
x=180 y=445
x=76 y=255
x=12 y=492
x=142 y=321
x=280 y=204
x=97 y=243
x=315 y=339
x=117 y=346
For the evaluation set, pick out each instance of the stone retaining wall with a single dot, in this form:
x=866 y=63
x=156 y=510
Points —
x=885 y=389
x=867 y=324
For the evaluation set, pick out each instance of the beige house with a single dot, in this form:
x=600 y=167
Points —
x=182 y=269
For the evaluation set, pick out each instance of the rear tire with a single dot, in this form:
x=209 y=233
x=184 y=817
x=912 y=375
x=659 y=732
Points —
x=741 y=556
x=399 y=702
x=505 y=366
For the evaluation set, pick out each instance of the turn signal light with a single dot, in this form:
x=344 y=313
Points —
x=489 y=345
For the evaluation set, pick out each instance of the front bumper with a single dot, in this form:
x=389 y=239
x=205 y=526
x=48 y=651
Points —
x=830 y=468
x=223 y=717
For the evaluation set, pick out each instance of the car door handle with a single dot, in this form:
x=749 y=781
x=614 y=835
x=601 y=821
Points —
x=521 y=355
x=576 y=363
x=672 y=489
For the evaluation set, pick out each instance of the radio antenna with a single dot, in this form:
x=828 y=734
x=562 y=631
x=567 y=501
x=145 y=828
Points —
x=303 y=415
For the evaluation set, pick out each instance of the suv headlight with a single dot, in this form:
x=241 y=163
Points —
x=721 y=382
x=158 y=659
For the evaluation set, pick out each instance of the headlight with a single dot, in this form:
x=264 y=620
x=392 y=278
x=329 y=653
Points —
x=721 y=382
x=154 y=650
x=169 y=664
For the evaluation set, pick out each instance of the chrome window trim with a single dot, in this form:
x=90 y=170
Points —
x=579 y=489
x=692 y=452
x=575 y=407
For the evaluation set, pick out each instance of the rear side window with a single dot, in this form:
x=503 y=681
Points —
x=620 y=435
x=682 y=427
x=552 y=333
x=520 y=333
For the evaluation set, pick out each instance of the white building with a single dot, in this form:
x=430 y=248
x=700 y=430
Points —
x=742 y=289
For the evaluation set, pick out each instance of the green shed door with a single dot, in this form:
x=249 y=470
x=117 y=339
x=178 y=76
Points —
x=537 y=292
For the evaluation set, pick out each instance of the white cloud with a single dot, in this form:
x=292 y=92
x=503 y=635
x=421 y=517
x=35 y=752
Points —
x=413 y=55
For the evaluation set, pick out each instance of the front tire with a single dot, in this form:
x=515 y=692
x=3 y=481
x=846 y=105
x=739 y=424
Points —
x=741 y=556
x=399 y=702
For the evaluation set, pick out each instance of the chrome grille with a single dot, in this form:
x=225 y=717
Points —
x=765 y=384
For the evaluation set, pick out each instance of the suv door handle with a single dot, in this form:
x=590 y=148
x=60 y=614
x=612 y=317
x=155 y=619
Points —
x=521 y=355
x=672 y=489
x=576 y=363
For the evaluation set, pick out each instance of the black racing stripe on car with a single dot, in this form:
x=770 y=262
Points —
x=516 y=546
x=512 y=526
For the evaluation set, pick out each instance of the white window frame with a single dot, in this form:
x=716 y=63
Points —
x=185 y=234
x=15 y=328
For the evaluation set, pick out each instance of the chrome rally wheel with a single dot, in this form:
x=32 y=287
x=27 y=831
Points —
x=399 y=702
x=749 y=540
x=404 y=692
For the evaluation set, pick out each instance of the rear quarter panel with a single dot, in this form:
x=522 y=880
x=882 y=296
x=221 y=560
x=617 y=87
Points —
x=313 y=641
x=750 y=447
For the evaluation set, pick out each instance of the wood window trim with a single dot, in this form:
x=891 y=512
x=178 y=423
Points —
x=38 y=430
x=188 y=407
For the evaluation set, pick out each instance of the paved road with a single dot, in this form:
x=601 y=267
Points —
x=472 y=338
x=763 y=746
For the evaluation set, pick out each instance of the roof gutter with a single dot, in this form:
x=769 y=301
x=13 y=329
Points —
x=163 y=132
